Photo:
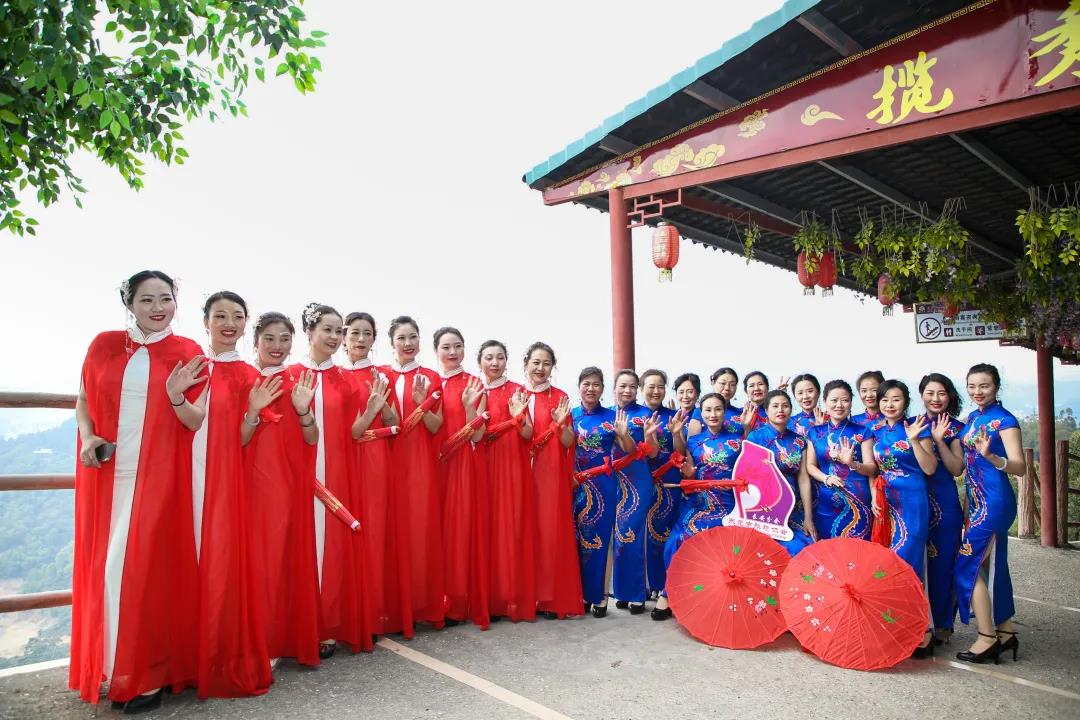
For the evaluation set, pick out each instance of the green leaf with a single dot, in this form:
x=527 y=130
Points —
x=282 y=68
x=736 y=549
x=9 y=117
x=698 y=588
x=878 y=574
x=5 y=99
x=106 y=118
x=81 y=86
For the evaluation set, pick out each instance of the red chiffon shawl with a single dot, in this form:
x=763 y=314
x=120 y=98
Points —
x=383 y=517
x=465 y=516
x=513 y=515
x=558 y=575
x=156 y=646
x=280 y=471
x=414 y=465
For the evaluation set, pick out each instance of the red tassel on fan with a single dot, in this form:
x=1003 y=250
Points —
x=499 y=429
x=459 y=438
x=583 y=475
x=379 y=434
x=542 y=440
x=418 y=413
x=641 y=451
x=676 y=460
x=882 y=532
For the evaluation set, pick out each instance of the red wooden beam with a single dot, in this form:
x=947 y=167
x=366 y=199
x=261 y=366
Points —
x=622 y=282
x=999 y=114
x=738 y=214
x=1044 y=363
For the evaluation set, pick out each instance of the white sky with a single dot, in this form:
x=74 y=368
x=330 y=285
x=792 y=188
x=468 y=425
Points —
x=396 y=188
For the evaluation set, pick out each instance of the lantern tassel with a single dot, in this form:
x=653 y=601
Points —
x=808 y=291
x=887 y=311
x=826 y=292
x=665 y=275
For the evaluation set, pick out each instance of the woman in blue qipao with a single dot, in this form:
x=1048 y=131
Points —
x=789 y=450
x=839 y=459
x=635 y=493
x=725 y=383
x=756 y=387
x=687 y=389
x=711 y=456
x=942 y=404
x=807 y=392
x=665 y=506
x=905 y=457
x=594 y=498
x=867 y=386
x=993 y=450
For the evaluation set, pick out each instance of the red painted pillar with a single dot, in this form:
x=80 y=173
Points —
x=1047 y=463
x=622 y=282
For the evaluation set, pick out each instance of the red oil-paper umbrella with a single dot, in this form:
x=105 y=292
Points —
x=854 y=603
x=882 y=529
x=723 y=585
x=335 y=506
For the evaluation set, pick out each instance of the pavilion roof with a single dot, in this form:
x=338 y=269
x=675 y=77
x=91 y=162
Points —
x=799 y=38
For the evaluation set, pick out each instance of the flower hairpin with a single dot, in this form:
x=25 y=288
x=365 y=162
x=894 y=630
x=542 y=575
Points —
x=311 y=314
x=125 y=291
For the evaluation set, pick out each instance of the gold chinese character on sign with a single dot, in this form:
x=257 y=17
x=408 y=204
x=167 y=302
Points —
x=917 y=84
x=1065 y=38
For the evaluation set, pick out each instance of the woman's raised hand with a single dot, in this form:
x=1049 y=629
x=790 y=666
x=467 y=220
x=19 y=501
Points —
x=940 y=428
x=677 y=422
x=519 y=403
x=303 y=392
x=472 y=393
x=561 y=410
x=184 y=376
x=379 y=393
x=846 y=456
x=264 y=392
x=915 y=429
x=420 y=388
x=622 y=423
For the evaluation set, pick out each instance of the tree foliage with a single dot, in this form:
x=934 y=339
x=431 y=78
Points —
x=120 y=78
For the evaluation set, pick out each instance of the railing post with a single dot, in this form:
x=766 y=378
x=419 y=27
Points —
x=1062 y=471
x=1026 y=509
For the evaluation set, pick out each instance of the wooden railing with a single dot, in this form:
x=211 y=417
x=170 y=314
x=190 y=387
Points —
x=1064 y=490
x=54 y=598
x=1028 y=485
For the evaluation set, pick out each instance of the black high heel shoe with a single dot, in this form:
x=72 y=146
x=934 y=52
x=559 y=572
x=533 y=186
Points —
x=991 y=653
x=144 y=703
x=636 y=608
x=588 y=608
x=622 y=604
x=943 y=639
x=1013 y=643
x=599 y=611
x=327 y=650
x=925 y=651
x=658 y=614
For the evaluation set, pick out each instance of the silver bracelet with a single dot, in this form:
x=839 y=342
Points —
x=1003 y=466
x=252 y=424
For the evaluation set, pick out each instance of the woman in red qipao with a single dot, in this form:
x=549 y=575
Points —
x=233 y=661
x=558 y=576
x=465 y=492
x=133 y=531
x=513 y=495
x=381 y=507
x=344 y=599
x=414 y=465
x=280 y=461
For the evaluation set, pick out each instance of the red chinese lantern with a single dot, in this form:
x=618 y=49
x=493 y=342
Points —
x=949 y=309
x=886 y=294
x=665 y=249
x=826 y=273
x=806 y=278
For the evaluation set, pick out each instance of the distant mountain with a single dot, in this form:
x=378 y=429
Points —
x=36 y=539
